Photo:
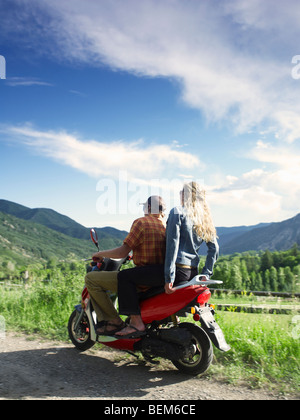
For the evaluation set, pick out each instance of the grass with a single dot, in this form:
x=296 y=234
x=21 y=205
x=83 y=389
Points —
x=250 y=298
x=43 y=308
x=264 y=350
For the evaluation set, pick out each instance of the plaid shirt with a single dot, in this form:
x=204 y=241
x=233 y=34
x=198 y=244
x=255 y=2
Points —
x=147 y=239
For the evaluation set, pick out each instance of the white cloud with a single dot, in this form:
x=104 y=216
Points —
x=288 y=125
x=262 y=192
x=286 y=157
x=96 y=159
x=26 y=81
x=232 y=59
x=254 y=205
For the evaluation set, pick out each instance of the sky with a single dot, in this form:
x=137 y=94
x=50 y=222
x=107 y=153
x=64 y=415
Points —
x=104 y=103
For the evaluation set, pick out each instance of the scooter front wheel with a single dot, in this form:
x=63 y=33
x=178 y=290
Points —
x=199 y=353
x=80 y=334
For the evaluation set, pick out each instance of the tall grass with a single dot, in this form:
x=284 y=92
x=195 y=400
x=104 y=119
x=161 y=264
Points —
x=43 y=308
x=263 y=349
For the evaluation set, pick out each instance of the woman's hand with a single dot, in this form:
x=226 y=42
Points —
x=169 y=288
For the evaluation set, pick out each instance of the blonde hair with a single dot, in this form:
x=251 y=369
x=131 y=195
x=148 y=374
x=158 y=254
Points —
x=198 y=211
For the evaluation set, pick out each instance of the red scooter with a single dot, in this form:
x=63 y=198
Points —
x=187 y=345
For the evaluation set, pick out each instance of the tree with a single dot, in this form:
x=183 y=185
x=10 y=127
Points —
x=52 y=263
x=267 y=282
x=252 y=280
x=295 y=250
x=222 y=272
x=273 y=279
x=235 y=282
x=258 y=282
x=296 y=272
x=266 y=261
x=289 y=279
x=290 y=261
x=281 y=279
x=278 y=259
x=245 y=276
x=252 y=262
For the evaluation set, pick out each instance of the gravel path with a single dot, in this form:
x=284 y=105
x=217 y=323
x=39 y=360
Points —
x=33 y=368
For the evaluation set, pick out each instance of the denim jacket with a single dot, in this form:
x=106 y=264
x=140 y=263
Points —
x=183 y=245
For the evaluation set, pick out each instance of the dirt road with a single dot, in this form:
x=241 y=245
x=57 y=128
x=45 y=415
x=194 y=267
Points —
x=39 y=369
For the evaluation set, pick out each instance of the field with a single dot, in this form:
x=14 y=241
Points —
x=264 y=351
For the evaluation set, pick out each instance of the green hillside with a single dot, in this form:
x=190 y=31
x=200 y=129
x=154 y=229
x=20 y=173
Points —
x=279 y=236
x=25 y=242
x=60 y=222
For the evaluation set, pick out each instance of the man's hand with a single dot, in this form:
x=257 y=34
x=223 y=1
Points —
x=169 y=288
x=97 y=257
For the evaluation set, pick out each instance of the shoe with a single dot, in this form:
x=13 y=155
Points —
x=105 y=331
x=135 y=334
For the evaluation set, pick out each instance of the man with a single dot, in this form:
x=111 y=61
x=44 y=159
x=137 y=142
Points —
x=147 y=241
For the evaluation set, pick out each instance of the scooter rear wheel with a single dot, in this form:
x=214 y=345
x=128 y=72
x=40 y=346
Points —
x=200 y=352
x=81 y=336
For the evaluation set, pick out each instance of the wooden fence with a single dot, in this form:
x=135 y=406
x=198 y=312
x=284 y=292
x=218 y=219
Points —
x=255 y=293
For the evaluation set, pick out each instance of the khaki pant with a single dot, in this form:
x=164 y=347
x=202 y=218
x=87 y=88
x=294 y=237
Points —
x=98 y=284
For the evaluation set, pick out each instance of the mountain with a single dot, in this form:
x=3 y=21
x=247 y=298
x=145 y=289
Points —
x=278 y=236
x=228 y=234
x=32 y=235
x=273 y=236
x=61 y=223
x=25 y=242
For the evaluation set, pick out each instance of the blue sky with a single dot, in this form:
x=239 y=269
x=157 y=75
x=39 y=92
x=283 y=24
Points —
x=105 y=103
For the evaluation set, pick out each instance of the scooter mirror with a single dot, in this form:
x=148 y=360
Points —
x=94 y=237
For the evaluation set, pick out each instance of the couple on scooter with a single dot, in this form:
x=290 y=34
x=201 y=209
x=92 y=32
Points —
x=164 y=256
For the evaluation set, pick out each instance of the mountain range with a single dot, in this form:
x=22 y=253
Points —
x=277 y=236
x=32 y=235
x=65 y=231
x=57 y=221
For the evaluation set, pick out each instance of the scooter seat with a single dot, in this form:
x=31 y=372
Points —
x=196 y=281
x=153 y=291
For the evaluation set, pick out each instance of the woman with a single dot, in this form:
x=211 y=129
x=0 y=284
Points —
x=188 y=226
